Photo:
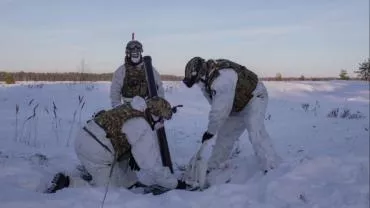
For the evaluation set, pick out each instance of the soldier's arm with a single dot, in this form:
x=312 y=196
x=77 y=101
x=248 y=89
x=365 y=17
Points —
x=145 y=149
x=223 y=88
x=159 y=83
x=116 y=86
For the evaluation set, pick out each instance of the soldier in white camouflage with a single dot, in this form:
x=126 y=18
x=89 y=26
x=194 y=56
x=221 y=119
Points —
x=116 y=143
x=238 y=102
x=129 y=79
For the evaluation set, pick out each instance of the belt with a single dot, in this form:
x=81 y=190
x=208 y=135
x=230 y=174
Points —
x=97 y=140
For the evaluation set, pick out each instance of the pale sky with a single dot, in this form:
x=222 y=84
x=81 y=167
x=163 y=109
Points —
x=293 y=37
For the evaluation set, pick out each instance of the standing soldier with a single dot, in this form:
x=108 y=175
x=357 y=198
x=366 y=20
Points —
x=129 y=79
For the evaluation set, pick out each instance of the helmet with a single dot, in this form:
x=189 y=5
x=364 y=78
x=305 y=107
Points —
x=133 y=51
x=194 y=70
x=159 y=107
x=132 y=45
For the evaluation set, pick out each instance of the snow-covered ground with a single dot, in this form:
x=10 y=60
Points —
x=321 y=129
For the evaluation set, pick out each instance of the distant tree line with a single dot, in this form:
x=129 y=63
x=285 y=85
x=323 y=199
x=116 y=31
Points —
x=301 y=78
x=67 y=76
x=363 y=73
x=80 y=77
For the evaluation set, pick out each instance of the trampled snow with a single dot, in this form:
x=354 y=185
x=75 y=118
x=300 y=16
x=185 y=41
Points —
x=321 y=130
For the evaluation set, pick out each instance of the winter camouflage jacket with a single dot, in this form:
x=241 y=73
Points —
x=111 y=121
x=246 y=84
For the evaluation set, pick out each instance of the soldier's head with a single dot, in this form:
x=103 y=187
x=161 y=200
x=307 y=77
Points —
x=134 y=50
x=159 y=107
x=195 y=69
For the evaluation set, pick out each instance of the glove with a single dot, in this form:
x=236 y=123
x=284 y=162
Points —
x=132 y=163
x=181 y=185
x=158 y=125
x=206 y=136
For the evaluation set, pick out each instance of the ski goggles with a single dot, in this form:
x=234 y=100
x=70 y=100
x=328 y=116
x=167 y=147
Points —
x=132 y=45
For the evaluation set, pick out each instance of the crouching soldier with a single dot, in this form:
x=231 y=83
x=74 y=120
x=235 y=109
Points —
x=238 y=102
x=118 y=142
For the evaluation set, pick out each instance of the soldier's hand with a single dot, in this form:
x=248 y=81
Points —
x=182 y=185
x=206 y=136
x=159 y=125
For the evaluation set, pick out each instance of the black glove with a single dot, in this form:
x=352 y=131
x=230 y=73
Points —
x=181 y=185
x=206 y=136
x=132 y=163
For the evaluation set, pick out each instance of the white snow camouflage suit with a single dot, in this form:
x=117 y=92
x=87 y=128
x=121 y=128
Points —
x=144 y=147
x=229 y=125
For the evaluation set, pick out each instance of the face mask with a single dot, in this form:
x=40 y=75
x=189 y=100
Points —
x=135 y=55
x=135 y=59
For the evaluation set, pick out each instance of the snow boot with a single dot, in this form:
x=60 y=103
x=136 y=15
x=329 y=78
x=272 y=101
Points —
x=59 y=181
x=86 y=176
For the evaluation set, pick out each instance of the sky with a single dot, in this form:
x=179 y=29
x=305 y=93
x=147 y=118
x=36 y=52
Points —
x=291 y=37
